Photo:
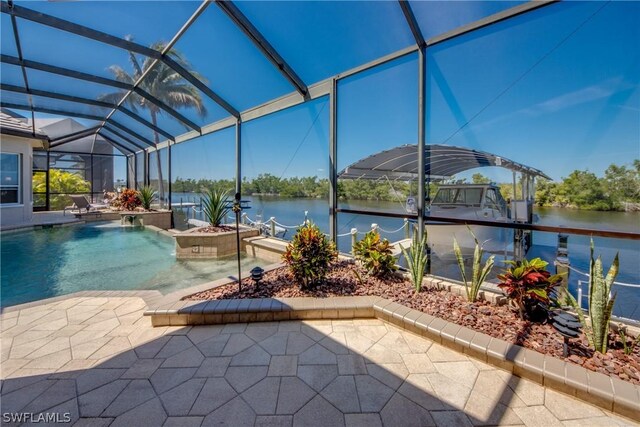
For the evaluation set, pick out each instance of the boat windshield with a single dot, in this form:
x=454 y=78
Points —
x=458 y=196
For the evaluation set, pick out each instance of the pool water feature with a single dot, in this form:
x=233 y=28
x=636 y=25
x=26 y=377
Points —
x=51 y=262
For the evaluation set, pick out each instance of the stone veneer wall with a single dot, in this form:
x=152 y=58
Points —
x=160 y=219
x=193 y=244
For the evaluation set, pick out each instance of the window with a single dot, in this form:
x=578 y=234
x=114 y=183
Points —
x=9 y=178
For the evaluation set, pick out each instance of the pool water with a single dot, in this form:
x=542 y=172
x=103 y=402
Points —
x=50 y=262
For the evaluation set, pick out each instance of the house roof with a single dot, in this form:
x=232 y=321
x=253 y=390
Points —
x=11 y=125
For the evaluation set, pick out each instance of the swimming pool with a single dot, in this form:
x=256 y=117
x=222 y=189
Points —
x=50 y=262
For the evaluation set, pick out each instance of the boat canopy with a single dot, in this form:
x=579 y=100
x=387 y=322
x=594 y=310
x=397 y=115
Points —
x=441 y=162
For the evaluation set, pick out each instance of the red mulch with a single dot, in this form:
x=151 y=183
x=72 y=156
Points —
x=497 y=321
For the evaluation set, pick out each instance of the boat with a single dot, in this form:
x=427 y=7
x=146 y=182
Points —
x=474 y=202
x=458 y=201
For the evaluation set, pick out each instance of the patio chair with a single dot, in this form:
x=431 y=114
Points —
x=81 y=202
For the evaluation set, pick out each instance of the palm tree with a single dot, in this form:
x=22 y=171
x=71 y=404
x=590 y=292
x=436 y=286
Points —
x=162 y=82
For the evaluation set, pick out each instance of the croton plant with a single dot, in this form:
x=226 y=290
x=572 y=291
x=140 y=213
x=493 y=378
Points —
x=530 y=287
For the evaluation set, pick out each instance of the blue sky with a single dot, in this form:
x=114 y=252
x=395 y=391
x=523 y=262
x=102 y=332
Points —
x=556 y=89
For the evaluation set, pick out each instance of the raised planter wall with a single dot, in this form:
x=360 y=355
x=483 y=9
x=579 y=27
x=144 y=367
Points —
x=265 y=248
x=160 y=219
x=194 y=244
x=99 y=216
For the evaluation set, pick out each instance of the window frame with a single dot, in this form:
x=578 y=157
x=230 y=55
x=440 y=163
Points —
x=18 y=186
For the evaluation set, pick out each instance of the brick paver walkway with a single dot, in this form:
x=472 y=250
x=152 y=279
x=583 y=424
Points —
x=100 y=360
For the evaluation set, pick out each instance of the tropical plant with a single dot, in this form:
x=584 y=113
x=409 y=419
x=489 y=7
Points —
x=530 y=287
x=417 y=259
x=215 y=205
x=127 y=200
x=147 y=196
x=626 y=347
x=61 y=184
x=601 y=302
x=375 y=254
x=162 y=83
x=309 y=255
x=478 y=273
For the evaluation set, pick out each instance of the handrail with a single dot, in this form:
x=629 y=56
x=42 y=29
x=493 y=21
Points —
x=512 y=225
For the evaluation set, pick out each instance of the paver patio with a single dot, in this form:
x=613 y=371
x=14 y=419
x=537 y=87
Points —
x=101 y=361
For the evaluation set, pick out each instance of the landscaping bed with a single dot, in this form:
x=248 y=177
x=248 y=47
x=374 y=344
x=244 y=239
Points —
x=345 y=278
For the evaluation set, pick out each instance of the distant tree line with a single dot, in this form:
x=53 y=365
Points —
x=618 y=189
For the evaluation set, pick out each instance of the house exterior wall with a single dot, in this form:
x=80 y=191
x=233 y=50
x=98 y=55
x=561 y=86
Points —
x=21 y=212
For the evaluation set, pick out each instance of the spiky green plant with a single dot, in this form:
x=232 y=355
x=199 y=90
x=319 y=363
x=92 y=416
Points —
x=147 y=196
x=215 y=205
x=479 y=274
x=417 y=259
x=601 y=302
x=628 y=348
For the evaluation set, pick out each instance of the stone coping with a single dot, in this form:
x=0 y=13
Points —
x=612 y=394
x=18 y=228
x=150 y=297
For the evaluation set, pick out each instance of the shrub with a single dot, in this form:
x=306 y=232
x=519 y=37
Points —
x=600 y=302
x=309 y=255
x=375 y=255
x=417 y=259
x=478 y=274
x=147 y=196
x=215 y=205
x=530 y=287
x=127 y=200
x=61 y=183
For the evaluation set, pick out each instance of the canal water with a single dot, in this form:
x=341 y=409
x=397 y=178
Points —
x=291 y=212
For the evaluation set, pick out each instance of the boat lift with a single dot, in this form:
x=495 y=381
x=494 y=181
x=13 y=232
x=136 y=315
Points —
x=442 y=162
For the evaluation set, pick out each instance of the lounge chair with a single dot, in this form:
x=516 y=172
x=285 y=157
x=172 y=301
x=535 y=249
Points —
x=81 y=202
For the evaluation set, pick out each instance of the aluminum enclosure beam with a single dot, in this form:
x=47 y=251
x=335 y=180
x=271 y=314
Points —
x=412 y=22
x=16 y=39
x=86 y=101
x=333 y=167
x=12 y=105
x=124 y=138
x=75 y=137
x=238 y=157
x=316 y=90
x=80 y=30
x=120 y=147
x=422 y=105
x=245 y=25
x=166 y=49
x=108 y=126
x=322 y=88
x=490 y=20
x=53 y=95
x=75 y=134
x=52 y=69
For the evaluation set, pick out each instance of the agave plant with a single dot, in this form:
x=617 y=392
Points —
x=478 y=274
x=215 y=205
x=601 y=302
x=147 y=196
x=418 y=259
x=530 y=287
